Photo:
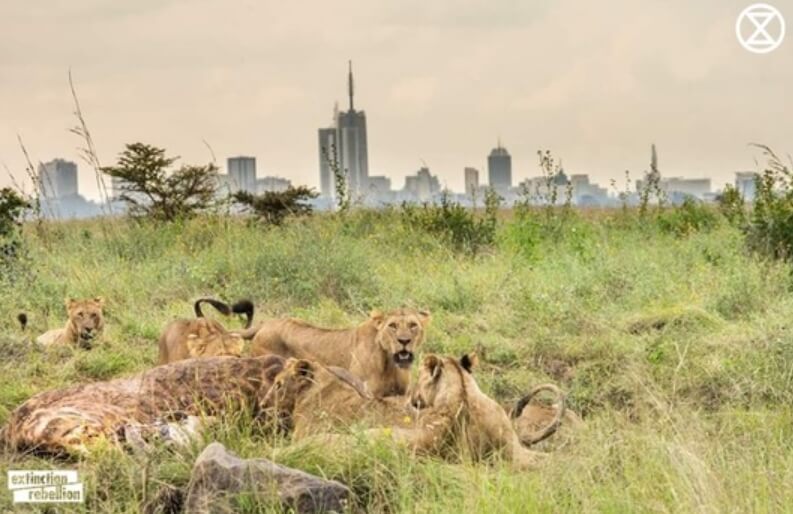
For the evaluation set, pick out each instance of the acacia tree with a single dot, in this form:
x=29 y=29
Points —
x=150 y=189
x=272 y=207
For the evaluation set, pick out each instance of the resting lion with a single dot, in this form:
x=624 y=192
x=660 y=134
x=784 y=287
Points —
x=535 y=422
x=86 y=321
x=311 y=398
x=448 y=409
x=379 y=351
x=202 y=337
x=69 y=420
x=459 y=412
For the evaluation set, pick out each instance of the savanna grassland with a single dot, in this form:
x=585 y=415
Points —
x=674 y=342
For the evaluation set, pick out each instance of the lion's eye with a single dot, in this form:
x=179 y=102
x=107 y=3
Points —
x=392 y=326
x=414 y=326
x=80 y=314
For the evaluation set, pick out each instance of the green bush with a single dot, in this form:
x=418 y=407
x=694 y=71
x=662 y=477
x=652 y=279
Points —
x=457 y=225
x=12 y=208
x=689 y=217
x=770 y=228
x=732 y=206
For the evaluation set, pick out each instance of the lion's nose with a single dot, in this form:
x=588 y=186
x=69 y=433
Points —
x=403 y=341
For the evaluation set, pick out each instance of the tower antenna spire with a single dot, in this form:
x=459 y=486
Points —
x=350 y=85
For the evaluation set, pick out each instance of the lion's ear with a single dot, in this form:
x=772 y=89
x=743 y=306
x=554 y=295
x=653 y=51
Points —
x=424 y=317
x=100 y=301
x=433 y=365
x=69 y=302
x=378 y=317
x=304 y=369
x=469 y=362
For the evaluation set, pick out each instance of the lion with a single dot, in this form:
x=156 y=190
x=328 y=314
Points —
x=70 y=420
x=446 y=407
x=535 y=423
x=86 y=322
x=202 y=337
x=459 y=412
x=379 y=351
x=308 y=398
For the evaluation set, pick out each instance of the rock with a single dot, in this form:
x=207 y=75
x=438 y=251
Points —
x=219 y=475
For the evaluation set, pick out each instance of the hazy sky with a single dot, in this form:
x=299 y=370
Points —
x=440 y=81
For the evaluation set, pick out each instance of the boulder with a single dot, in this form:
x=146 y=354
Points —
x=219 y=476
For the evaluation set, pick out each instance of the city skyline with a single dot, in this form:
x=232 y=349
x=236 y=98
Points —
x=443 y=81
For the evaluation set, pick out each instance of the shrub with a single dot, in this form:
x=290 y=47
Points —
x=340 y=176
x=459 y=226
x=12 y=209
x=770 y=228
x=732 y=206
x=273 y=207
x=689 y=217
x=150 y=190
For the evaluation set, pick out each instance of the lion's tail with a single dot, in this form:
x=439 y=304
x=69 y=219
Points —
x=553 y=426
x=241 y=307
x=22 y=318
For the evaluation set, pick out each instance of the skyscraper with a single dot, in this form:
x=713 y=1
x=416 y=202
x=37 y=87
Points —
x=348 y=137
x=57 y=179
x=471 y=181
x=328 y=150
x=499 y=169
x=242 y=173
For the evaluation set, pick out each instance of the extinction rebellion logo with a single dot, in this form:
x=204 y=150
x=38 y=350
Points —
x=45 y=486
x=760 y=28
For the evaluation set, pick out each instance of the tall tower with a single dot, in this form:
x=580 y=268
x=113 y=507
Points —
x=242 y=173
x=499 y=168
x=350 y=144
x=57 y=179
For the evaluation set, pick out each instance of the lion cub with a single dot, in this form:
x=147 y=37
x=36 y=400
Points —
x=86 y=321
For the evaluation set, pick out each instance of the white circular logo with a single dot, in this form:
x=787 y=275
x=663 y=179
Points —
x=760 y=28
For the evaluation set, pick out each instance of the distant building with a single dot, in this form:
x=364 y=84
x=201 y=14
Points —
x=586 y=193
x=499 y=169
x=57 y=179
x=242 y=173
x=677 y=188
x=422 y=186
x=378 y=187
x=276 y=184
x=351 y=147
x=696 y=187
x=471 y=181
x=327 y=148
x=746 y=184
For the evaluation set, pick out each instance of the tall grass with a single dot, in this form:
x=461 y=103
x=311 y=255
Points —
x=675 y=346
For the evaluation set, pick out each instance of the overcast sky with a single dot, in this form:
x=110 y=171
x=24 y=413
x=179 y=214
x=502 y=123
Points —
x=440 y=81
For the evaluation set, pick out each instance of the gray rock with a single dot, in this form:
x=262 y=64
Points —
x=219 y=475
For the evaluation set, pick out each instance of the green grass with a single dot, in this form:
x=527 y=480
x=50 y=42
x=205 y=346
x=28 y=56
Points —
x=675 y=345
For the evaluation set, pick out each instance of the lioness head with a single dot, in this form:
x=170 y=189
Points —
x=86 y=319
x=440 y=381
x=288 y=386
x=400 y=333
x=215 y=345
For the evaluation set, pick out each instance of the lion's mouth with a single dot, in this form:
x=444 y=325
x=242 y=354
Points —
x=86 y=339
x=403 y=358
